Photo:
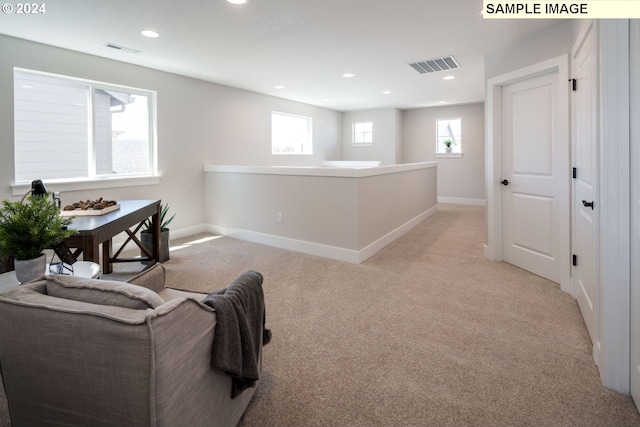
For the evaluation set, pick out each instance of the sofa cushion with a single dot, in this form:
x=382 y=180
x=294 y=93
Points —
x=104 y=292
x=152 y=278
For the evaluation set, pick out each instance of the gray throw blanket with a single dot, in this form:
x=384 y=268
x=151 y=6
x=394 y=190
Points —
x=240 y=323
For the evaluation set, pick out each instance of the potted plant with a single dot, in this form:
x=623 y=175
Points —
x=26 y=229
x=448 y=143
x=146 y=236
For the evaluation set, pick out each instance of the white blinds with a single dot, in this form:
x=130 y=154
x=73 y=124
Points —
x=51 y=127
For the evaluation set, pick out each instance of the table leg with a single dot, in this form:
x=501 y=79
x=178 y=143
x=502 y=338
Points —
x=107 y=247
x=90 y=249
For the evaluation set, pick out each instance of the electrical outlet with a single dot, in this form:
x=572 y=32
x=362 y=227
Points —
x=280 y=217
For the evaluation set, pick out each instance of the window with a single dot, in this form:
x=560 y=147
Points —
x=362 y=133
x=449 y=136
x=291 y=134
x=70 y=129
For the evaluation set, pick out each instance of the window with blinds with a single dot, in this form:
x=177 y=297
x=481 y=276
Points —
x=72 y=129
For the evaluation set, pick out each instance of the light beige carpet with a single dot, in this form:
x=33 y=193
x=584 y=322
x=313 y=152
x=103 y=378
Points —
x=425 y=333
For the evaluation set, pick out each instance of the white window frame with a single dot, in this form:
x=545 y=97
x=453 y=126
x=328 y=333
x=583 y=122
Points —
x=306 y=146
x=367 y=137
x=440 y=148
x=93 y=180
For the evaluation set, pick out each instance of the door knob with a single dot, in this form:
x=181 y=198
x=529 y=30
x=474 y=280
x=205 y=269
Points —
x=587 y=204
x=504 y=182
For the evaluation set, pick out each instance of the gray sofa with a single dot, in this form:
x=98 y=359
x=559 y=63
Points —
x=91 y=352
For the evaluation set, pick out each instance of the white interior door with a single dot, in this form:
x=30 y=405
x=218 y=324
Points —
x=534 y=175
x=585 y=208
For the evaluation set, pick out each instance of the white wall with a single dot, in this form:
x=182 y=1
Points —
x=198 y=123
x=459 y=179
x=387 y=134
x=549 y=43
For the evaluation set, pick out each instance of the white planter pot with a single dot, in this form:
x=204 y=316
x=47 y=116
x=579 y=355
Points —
x=30 y=269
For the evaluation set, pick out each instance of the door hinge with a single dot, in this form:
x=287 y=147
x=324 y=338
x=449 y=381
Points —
x=575 y=260
x=575 y=173
x=574 y=84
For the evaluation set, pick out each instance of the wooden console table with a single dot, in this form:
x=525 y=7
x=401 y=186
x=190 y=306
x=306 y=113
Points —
x=96 y=230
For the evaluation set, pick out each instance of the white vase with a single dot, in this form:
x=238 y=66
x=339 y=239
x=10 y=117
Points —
x=448 y=150
x=30 y=269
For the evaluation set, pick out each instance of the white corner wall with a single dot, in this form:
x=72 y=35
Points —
x=460 y=180
x=387 y=134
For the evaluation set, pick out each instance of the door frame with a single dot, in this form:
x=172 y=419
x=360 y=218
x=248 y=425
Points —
x=634 y=49
x=615 y=222
x=493 y=159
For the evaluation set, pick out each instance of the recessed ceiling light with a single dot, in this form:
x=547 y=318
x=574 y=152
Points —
x=237 y=1
x=279 y=87
x=386 y=92
x=442 y=102
x=150 y=33
x=348 y=75
x=449 y=77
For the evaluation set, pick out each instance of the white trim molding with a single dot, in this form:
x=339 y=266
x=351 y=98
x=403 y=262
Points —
x=448 y=155
x=350 y=170
x=88 y=184
x=461 y=201
x=615 y=263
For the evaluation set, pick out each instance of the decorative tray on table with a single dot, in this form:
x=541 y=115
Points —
x=88 y=208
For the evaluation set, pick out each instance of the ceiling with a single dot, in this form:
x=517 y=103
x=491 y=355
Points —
x=304 y=45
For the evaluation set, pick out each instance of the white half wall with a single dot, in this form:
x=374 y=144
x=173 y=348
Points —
x=339 y=213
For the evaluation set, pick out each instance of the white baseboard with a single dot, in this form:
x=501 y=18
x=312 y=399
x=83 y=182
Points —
x=318 y=249
x=373 y=248
x=461 y=201
x=311 y=248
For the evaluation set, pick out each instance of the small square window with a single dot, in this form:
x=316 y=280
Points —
x=362 y=133
x=449 y=136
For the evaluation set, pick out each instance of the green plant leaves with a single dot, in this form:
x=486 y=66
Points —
x=27 y=228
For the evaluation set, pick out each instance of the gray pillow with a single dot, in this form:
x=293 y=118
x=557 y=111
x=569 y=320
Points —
x=104 y=292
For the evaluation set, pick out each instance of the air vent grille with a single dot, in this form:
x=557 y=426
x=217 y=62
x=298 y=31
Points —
x=118 y=47
x=436 y=64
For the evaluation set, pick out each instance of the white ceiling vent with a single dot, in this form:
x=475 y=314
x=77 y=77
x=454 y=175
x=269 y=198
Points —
x=122 y=48
x=436 y=64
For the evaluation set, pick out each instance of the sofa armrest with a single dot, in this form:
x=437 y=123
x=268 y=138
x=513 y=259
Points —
x=189 y=391
x=152 y=278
